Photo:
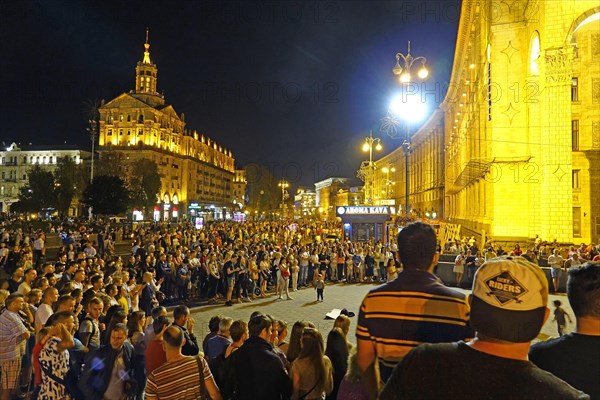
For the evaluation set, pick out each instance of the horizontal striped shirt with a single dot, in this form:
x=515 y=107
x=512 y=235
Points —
x=414 y=308
x=178 y=380
x=11 y=328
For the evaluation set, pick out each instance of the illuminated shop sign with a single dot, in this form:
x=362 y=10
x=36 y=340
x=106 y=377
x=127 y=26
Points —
x=363 y=210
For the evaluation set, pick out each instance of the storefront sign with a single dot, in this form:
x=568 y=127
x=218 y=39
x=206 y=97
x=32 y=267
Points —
x=363 y=210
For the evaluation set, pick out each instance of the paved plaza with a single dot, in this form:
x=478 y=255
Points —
x=305 y=307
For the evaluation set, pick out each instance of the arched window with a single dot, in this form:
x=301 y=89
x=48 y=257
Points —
x=534 y=55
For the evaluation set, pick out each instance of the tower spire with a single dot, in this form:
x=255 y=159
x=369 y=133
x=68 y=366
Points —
x=147 y=50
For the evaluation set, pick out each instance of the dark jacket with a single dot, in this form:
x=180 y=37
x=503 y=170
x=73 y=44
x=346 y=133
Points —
x=147 y=297
x=259 y=372
x=98 y=369
x=190 y=348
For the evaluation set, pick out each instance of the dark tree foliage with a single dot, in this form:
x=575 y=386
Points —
x=263 y=193
x=144 y=184
x=107 y=195
x=39 y=194
x=69 y=183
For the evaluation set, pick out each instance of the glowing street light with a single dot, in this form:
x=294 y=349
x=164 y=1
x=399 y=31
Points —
x=367 y=171
x=410 y=107
x=408 y=60
x=283 y=185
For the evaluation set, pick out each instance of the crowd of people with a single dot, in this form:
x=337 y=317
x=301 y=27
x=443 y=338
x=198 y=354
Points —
x=93 y=324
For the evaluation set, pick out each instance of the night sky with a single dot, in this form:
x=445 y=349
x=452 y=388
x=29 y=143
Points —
x=294 y=85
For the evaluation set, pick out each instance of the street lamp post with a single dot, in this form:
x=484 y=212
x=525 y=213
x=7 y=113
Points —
x=283 y=185
x=370 y=167
x=403 y=70
x=92 y=130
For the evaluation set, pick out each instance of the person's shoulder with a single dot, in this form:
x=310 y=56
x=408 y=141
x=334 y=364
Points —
x=384 y=287
x=554 y=387
x=560 y=345
x=438 y=348
x=441 y=289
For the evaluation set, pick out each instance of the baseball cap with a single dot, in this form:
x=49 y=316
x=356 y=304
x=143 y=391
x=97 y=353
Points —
x=510 y=297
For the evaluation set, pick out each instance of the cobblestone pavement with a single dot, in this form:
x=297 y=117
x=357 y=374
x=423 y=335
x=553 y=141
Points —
x=304 y=307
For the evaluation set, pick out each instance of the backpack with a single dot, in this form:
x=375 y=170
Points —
x=224 y=374
x=77 y=334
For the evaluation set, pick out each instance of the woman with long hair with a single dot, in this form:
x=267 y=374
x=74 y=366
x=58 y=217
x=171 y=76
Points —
x=136 y=323
x=337 y=350
x=311 y=372
x=294 y=345
x=352 y=388
x=284 y=279
x=264 y=275
x=118 y=317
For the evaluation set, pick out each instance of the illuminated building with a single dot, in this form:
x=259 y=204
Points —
x=325 y=196
x=304 y=203
x=523 y=120
x=239 y=185
x=196 y=173
x=17 y=160
x=521 y=123
x=426 y=171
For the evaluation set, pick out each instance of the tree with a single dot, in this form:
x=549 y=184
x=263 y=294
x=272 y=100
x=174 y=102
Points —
x=69 y=183
x=107 y=195
x=39 y=193
x=263 y=193
x=112 y=163
x=144 y=184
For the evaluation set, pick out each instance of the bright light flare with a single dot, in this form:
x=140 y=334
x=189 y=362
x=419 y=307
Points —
x=408 y=107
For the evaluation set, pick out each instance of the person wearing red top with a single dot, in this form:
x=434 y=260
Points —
x=155 y=353
x=35 y=353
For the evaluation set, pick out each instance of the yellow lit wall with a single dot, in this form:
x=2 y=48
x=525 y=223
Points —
x=508 y=121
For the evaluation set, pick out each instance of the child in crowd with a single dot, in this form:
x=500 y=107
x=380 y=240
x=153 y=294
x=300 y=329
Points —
x=320 y=286
x=560 y=317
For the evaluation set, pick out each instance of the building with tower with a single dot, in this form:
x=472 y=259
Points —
x=196 y=172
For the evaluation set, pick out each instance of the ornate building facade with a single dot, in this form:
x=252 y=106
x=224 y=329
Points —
x=17 y=160
x=426 y=171
x=197 y=174
x=519 y=138
x=523 y=120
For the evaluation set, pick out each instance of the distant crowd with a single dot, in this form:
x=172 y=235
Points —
x=93 y=324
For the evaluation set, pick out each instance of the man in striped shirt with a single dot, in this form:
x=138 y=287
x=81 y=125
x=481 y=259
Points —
x=414 y=308
x=179 y=378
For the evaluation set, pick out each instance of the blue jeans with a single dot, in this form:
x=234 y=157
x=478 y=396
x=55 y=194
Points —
x=303 y=275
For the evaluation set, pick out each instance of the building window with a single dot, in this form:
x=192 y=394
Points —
x=24 y=177
x=575 y=175
x=110 y=132
x=577 y=221
x=575 y=89
x=575 y=135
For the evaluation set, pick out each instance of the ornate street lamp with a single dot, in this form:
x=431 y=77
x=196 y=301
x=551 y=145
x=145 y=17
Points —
x=408 y=110
x=367 y=170
x=283 y=185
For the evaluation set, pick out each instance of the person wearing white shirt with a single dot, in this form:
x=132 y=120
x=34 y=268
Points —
x=44 y=310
